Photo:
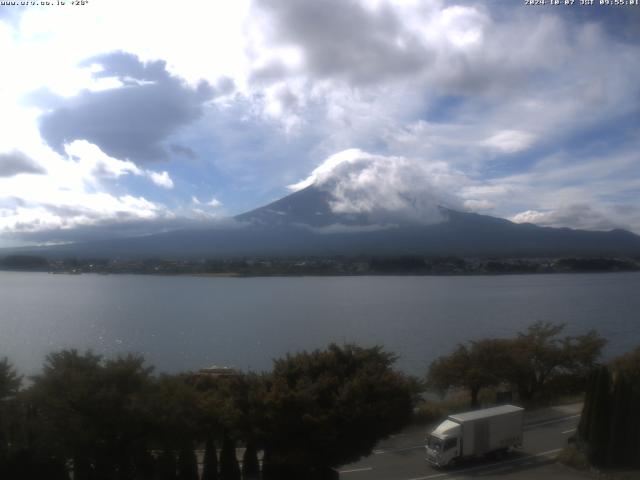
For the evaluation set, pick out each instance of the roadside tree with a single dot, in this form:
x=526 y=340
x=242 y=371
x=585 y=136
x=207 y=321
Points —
x=541 y=354
x=92 y=412
x=479 y=365
x=330 y=407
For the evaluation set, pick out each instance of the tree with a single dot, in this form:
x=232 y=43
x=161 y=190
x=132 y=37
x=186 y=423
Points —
x=609 y=429
x=167 y=466
x=123 y=422
x=626 y=370
x=65 y=398
x=176 y=408
x=187 y=463
x=210 y=463
x=229 y=469
x=628 y=363
x=233 y=407
x=93 y=412
x=599 y=418
x=330 y=407
x=529 y=361
x=540 y=354
x=481 y=364
x=10 y=383
x=250 y=464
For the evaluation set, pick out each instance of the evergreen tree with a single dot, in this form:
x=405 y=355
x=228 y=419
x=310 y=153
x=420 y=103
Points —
x=10 y=383
x=618 y=427
x=187 y=464
x=633 y=455
x=598 y=437
x=268 y=468
x=144 y=464
x=609 y=428
x=587 y=407
x=167 y=467
x=210 y=467
x=229 y=469
x=250 y=464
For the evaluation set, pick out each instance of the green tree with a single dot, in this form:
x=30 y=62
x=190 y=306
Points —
x=599 y=418
x=621 y=406
x=93 y=412
x=330 y=407
x=481 y=364
x=229 y=468
x=177 y=413
x=250 y=464
x=626 y=406
x=123 y=422
x=10 y=381
x=65 y=398
x=628 y=363
x=609 y=429
x=233 y=405
x=210 y=462
x=187 y=463
x=539 y=354
x=167 y=465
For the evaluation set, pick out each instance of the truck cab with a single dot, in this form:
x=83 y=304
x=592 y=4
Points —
x=443 y=444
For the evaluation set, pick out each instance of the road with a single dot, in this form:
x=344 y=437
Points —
x=402 y=457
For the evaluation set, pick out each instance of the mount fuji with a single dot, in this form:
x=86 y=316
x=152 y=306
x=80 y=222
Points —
x=307 y=223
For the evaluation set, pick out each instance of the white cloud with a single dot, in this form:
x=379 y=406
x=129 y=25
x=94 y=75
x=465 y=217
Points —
x=386 y=187
x=426 y=54
x=77 y=210
x=94 y=165
x=73 y=195
x=509 y=141
x=162 y=179
x=575 y=216
x=214 y=202
x=478 y=205
x=216 y=28
x=437 y=88
x=532 y=216
x=320 y=174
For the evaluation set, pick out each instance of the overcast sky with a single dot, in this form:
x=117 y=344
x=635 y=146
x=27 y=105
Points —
x=124 y=117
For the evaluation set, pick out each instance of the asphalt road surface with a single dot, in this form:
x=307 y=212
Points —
x=402 y=457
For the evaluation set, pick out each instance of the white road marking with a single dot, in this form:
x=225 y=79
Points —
x=569 y=431
x=354 y=470
x=482 y=467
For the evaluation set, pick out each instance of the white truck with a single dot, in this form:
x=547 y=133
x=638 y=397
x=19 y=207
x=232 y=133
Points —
x=470 y=434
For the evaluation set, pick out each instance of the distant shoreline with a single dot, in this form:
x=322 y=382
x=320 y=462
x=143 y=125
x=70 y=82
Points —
x=325 y=266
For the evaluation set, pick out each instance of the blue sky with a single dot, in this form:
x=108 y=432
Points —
x=122 y=118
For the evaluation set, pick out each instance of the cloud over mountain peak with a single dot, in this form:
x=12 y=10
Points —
x=385 y=187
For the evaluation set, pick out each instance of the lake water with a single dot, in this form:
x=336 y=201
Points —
x=181 y=323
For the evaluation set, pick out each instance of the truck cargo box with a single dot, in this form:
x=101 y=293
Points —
x=490 y=429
